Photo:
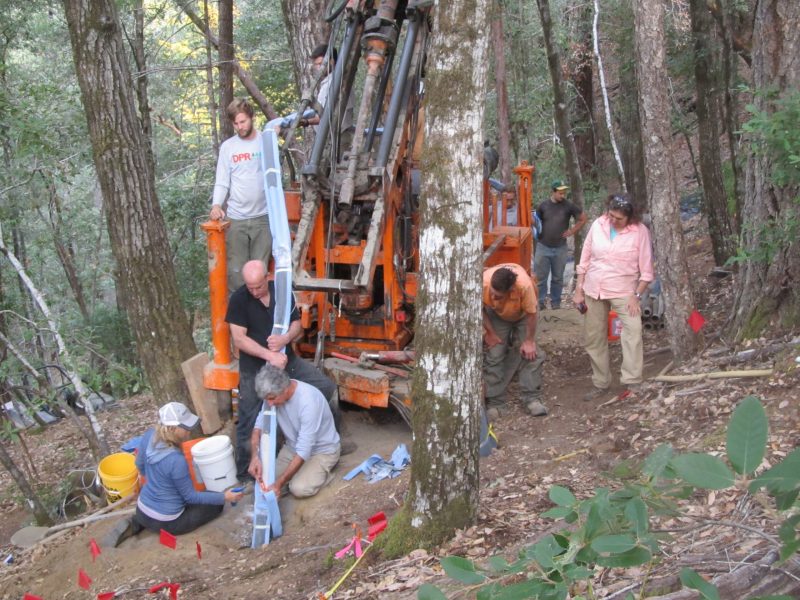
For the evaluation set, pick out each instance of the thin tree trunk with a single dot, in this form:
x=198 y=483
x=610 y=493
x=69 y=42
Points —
x=146 y=274
x=140 y=58
x=583 y=80
x=98 y=443
x=604 y=91
x=226 y=58
x=662 y=191
x=28 y=301
x=501 y=89
x=242 y=74
x=443 y=493
x=212 y=98
x=35 y=505
x=560 y=106
x=65 y=252
x=707 y=84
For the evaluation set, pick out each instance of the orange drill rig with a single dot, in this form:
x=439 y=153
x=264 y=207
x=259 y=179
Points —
x=354 y=213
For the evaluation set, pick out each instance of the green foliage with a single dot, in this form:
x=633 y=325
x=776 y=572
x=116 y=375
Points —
x=775 y=132
x=612 y=527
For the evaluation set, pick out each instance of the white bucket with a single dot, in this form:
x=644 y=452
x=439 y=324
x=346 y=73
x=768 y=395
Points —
x=214 y=460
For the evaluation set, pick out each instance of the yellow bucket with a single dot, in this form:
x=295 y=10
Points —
x=119 y=475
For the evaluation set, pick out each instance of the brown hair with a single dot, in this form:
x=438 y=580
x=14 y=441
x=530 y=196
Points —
x=625 y=204
x=240 y=105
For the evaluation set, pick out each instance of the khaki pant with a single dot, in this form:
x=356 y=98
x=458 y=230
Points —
x=312 y=476
x=596 y=341
x=246 y=239
x=501 y=362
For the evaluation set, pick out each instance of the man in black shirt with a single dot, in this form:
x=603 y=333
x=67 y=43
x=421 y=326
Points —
x=551 y=249
x=251 y=311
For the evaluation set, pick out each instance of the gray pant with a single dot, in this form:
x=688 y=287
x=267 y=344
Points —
x=501 y=362
x=246 y=239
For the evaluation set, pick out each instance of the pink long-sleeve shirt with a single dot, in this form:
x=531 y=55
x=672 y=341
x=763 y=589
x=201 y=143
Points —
x=613 y=269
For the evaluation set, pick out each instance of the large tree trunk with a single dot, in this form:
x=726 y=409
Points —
x=140 y=58
x=770 y=279
x=709 y=116
x=443 y=494
x=560 y=105
x=226 y=58
x=305 y=29
x=662 y=190
x=503 y=122
x=146 y=275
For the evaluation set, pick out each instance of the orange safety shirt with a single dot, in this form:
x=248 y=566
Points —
x=521 y=299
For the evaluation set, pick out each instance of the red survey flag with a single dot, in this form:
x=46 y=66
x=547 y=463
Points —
x=94 y=549
x=31 y=597
x=84 y=580
x=106 y=595
x=696 y=321
x=377 y=523
x=167 y=539
x=199 y=550
x=173 y=589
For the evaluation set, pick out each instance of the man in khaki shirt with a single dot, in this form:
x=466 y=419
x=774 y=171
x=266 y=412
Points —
x=509 y=323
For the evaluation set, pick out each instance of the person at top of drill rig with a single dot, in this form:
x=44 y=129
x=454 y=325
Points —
x=240 y=179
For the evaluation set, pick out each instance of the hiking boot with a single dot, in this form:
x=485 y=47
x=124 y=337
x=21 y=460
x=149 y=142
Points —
x=536 y=408
x=120 y=532
x=595 y=394
x=348 y=447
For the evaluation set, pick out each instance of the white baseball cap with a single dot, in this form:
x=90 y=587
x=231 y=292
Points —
x=175 y=414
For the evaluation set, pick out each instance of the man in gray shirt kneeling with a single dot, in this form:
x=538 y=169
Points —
x=312 y=446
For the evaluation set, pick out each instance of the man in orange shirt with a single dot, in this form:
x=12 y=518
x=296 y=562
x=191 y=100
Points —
x=509 y=331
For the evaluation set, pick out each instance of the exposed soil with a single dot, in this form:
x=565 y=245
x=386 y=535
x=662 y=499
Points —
x=577 y=445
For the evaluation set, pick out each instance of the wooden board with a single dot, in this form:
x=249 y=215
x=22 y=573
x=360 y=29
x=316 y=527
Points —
x=204 y=400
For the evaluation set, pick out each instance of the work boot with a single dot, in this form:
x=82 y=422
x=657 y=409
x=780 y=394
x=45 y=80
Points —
x=536 y=408
x=348 y=446
x=595 y=394
x=120 y=532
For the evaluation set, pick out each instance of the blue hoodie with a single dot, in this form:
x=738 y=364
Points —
x=169 y=487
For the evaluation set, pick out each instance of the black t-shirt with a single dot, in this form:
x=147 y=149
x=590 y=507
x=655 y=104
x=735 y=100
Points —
x=555 y=218
x=247 y=311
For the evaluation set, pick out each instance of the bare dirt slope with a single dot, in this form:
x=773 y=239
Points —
x=576 y=445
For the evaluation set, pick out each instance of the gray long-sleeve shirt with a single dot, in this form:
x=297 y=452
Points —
x=239 y=175
x=306 y=421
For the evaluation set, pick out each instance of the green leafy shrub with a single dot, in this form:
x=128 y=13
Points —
x=612 y=527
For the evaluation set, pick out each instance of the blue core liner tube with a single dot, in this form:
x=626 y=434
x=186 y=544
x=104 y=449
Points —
x=266 y=516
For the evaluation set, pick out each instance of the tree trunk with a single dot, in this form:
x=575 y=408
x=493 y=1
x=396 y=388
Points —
x=213 y=112
x=226 y=58
x=560 y=106
x=770 y=279
x=443 y=494
x=241 y=73
x=503 y=123
x=140 y=58
x=709 y=117
x=662 y=191
x=305 y=29
x=583 y=80
x=146 y=275
x=34 y=504
x=65 y=252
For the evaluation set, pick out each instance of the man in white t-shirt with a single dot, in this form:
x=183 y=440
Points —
x=240 y=179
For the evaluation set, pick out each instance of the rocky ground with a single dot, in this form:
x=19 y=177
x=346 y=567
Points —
x=578 y=445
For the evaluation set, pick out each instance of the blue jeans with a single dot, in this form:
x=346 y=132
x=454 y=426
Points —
x=550 y=262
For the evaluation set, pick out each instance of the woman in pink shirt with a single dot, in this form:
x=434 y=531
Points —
x=615 y=269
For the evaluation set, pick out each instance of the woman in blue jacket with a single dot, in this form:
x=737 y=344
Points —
x=168 y=499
